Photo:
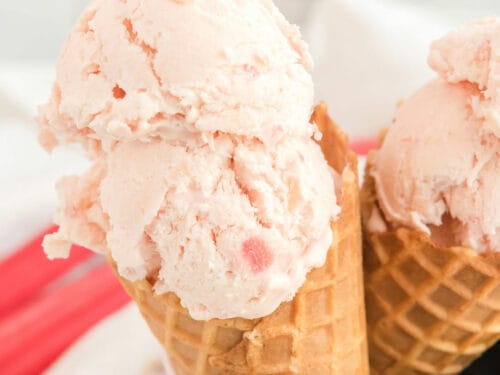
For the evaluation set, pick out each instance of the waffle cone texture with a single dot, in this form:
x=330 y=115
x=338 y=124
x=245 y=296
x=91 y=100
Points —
x=321 y=331
x=430 y=309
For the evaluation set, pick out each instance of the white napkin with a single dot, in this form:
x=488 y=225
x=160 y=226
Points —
x=119 y=345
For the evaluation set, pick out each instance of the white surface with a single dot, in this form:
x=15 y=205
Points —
x=369 y=54
x=120 y=344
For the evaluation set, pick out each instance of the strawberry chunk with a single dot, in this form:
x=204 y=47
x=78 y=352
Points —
x=257 y=254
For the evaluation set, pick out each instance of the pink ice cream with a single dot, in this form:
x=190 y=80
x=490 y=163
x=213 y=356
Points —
x=438 y=169
x=196 y=114
x=143 y=70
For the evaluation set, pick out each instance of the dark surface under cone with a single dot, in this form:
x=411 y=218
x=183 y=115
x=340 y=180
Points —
x=488 y=364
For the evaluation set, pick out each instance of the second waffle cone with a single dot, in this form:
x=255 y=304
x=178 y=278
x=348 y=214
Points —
x=431 y=309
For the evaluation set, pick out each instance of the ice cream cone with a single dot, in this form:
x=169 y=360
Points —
x=321 y=331
x=430 y=309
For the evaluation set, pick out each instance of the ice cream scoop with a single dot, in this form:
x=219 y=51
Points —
x=438 y=169
x=206 y=173
x=141 y=70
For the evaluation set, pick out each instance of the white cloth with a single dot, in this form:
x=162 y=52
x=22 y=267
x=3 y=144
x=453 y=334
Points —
x=370 y=54
x=27 y=172
x=118 y=345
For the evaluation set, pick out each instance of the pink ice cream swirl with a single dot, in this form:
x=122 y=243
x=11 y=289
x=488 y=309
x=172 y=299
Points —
x=438 y=169
x=196 y=115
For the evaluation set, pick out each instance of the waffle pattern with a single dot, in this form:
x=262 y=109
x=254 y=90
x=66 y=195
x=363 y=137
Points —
x=321 y=331
x=431 y=309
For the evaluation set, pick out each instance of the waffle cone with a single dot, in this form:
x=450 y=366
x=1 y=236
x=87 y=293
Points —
x=430 y=309
x=321 y=331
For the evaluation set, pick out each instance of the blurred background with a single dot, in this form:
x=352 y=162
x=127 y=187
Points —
x=368 y=54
